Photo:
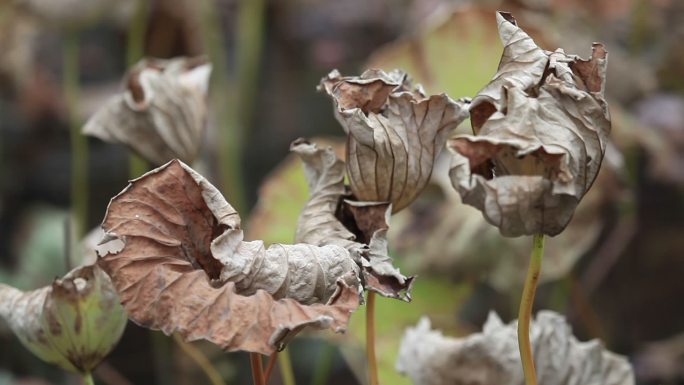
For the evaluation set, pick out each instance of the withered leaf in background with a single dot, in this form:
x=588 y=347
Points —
x=492 y=357
x=162 y=112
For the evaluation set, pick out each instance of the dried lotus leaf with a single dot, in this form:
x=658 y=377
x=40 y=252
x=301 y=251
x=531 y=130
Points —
x=161 y=114
x=541 y=129
x=492 y=357
x=185 y=268
x=360 y=227
x=394 y=131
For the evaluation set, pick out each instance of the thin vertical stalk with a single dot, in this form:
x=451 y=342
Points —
x=370 y=340
x=135 y=50
x=285 y=366
x=88 y=379
x=248 y=49
x=322 y=371
x=162 y=358
x=233 y=97
x=271 y=364
x=79 y=143
x=257 y=369
x=525 y=312
x=200 y=359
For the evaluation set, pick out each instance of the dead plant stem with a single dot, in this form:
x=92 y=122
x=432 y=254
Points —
x=269 y=367
x=257 y=369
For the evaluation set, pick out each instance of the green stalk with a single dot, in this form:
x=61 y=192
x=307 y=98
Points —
x=370 y=340
x=233 y=97
x=250 y=35
x=525 y=312
x=135 y=51
x=200 y=359
x=322 y=371
x=285 y=366
x=88 y=379
x=79 y=143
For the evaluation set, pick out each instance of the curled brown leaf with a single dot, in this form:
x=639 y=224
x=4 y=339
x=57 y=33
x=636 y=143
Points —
x=162 y=112
x=360 y=227
x=186 y=268
x=394 y=131
x=541 y=128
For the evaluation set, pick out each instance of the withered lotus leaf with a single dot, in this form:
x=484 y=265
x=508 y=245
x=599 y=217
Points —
x=492 y=357
x=185 y=268
x=541 y=128
x=394 y=133
x=360 y=227
x=162 y=112
x=73 y=323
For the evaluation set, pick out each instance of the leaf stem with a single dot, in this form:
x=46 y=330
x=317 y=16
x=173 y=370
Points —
x=257 y=369
x=525 y=312
x=271 y=364
x=234 y=96
x=285 y=366
x=135 y=50
x=370 y=340
x=79 y=143
x=200 y=359
x=325 y=360
x=88 y=378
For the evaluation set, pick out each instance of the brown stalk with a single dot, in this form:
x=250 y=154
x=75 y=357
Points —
x=257 y=369
x=269 y=366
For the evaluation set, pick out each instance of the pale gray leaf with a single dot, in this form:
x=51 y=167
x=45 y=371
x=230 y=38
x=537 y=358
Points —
x=161 y=114
x=394 y=130
x=492 y=357
x=541 y=128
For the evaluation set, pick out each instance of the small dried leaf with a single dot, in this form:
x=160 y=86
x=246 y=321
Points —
x=360 y=227
x=492 y=357
x=162 y=113
x=541 y=128
x=73 y=323
x=394 y=130
x=185 y=268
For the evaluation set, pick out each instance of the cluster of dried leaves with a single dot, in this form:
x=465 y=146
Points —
x=540 y=133
x=186 y=268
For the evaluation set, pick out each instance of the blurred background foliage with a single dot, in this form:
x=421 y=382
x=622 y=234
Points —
x=616 y=273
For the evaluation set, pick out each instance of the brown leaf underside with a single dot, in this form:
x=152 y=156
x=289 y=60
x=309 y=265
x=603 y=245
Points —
x=163 y=273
